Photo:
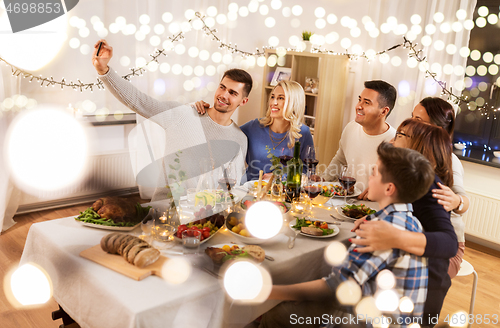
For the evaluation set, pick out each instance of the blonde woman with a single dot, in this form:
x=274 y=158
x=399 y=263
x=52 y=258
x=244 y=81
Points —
x=278 y=130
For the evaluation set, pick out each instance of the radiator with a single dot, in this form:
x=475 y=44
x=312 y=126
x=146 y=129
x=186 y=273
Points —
x=107 y=174
x=482 y=220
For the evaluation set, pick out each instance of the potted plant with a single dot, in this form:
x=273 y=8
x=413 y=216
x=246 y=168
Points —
x=306 y=36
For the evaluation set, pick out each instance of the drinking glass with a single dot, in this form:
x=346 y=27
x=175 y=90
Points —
x=191 y=240
x=347 y=180
x=285 y=154
x=191 y=194
x=147 y=226
x=227 y=176
x=205 y=189
x=310 y=160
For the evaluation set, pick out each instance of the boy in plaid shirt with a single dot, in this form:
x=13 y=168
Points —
x=400 y=177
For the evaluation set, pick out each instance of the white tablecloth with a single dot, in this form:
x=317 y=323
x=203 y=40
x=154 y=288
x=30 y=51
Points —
x=95 y=296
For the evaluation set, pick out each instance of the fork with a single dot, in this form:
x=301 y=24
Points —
x=292 y=241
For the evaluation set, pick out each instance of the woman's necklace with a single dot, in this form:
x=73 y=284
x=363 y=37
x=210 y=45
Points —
x=276 y=142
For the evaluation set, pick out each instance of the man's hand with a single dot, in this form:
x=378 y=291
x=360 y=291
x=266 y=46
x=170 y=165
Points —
x=375 y=236
x=363 y=195
x=316 y=178
x=267 y=177
x=201 y=107
x=101 y=62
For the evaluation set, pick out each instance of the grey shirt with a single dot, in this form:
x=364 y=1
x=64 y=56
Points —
x=189 y=136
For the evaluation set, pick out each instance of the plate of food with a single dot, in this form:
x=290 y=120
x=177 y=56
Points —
x=254 y=183
x=334 y=189
x=222 y=253
x=248 y=201
x=113 y=213
x=204 y=198
x=235 y=223
x=354 y=212
x=314 y=228
x=206 y=222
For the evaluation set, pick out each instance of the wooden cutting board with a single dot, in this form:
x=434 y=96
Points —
x=117 y=263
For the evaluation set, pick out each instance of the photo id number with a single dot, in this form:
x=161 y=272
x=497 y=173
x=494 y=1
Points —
x=463 y=318
x=27 y=7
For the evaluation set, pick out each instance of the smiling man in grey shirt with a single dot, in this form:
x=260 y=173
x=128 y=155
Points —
x=214 y=134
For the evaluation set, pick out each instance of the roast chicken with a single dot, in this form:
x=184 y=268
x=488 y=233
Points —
x=116 y=209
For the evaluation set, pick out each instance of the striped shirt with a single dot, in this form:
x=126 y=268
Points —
x=410 y=270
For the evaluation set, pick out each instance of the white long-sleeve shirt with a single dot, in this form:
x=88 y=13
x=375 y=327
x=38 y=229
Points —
x=358 y=149
x=458 y=188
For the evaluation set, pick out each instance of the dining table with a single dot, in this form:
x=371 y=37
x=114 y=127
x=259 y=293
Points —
x=95 y=296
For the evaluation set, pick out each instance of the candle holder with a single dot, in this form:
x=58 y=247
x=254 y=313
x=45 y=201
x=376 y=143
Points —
x=164 y=227
x=302 y=206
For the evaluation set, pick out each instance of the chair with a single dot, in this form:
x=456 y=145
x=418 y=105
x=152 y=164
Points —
x=466 y=269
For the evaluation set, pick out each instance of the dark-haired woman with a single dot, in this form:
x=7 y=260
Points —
x=453 y=197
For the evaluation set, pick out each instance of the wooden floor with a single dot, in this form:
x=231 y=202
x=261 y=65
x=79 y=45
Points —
x=485 y=261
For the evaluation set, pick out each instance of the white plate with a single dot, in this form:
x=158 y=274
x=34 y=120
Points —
x=249 y=184
x=104 y=227
x=179 y=240
x=335 y=228
x=231 y=245
x=251 y=198
x=356 y=192
x=237 y=195
x=341 y=213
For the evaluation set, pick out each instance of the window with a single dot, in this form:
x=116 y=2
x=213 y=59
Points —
x=478 y=122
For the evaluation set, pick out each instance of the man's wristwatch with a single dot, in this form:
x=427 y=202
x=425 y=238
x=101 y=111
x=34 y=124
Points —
x=461 y=205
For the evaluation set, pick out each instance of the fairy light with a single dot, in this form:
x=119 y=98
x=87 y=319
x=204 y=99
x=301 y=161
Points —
x=200 y=19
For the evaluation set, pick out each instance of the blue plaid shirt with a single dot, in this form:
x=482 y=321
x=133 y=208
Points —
x=410 y=270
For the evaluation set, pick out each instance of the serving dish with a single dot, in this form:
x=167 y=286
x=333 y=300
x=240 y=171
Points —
x=104 y=227
x=336 y=230
x=356 y=192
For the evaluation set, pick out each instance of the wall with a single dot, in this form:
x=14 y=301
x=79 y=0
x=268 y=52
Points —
x=482 y=179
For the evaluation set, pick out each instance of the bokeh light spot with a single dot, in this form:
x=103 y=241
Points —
x=264 y=220
x=46 y=149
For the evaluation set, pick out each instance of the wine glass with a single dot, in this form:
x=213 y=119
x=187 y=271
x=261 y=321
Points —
x=347 y=180
x=310 y=160
x=227 y=176
x=284 y=155
x=227 y=180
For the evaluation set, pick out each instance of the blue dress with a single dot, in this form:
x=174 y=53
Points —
x=258 y=139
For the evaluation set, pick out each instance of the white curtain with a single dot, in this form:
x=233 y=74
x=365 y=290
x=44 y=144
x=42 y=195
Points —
x=9 y=194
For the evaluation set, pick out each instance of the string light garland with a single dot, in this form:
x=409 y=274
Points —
x=415 y=53
x=233 y=49
x=45 y=82
x=356 y=56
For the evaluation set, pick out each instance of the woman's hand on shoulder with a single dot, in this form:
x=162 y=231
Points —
x=357 y=223
x=201 y=107
x=446 y=197
x=375 y=236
